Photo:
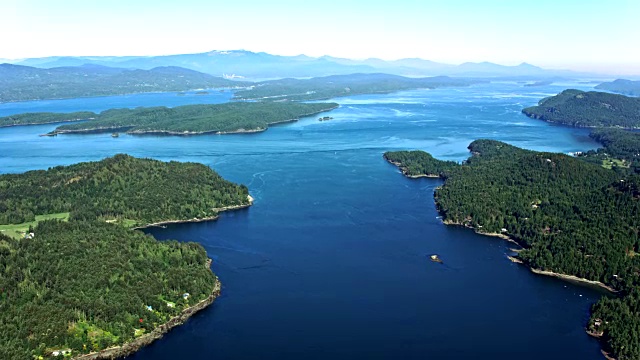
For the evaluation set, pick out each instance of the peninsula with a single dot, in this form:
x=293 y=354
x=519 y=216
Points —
x=88 y=283
x=621 y=86
x=227 y=118
x=588 y=109
x=571 y=217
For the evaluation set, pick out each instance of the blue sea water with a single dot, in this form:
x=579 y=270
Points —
x=332 y=259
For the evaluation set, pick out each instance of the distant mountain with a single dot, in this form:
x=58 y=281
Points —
x=621 y=86
x=263 y=65
x=18 y=83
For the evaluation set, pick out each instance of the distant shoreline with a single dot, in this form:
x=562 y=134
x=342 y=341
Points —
x=120 y=94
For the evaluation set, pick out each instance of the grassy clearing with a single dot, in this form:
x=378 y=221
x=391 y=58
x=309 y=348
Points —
x=610 y=163
x=17 y=231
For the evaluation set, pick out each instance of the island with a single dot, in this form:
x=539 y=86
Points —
x=77 y=279
x=572 y=218
x=44 y=118
x=588 y=109
x=538 y=83
x=621 y=86
x=226 y=118
x=22 y=83
x=328 y=87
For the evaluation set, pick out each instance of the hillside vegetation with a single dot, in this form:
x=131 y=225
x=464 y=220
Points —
x=196 y=119
x=571 y=217
x=588 y=109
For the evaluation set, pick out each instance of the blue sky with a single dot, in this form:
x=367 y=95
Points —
x=597 y=35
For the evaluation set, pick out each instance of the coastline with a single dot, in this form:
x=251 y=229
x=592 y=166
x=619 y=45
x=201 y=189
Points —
x=180 y=133
x=566 y=277
x=197 y=220
x=404 y=172
x=157 y=333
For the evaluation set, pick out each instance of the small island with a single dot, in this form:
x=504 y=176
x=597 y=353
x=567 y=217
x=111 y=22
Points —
x=202 y=92
x=78 y=219
x=226 y=118
x=574 y=220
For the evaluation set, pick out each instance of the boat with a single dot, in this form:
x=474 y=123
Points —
x=115 y=135
x=435 y=258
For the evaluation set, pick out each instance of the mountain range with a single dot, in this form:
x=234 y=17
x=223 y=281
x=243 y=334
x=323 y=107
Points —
x=260 y=65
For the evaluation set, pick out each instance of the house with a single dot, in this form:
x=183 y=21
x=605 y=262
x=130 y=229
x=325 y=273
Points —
x=149 y=308
x=185 y=296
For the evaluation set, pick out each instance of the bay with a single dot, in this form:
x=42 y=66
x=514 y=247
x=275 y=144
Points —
x=332 y=260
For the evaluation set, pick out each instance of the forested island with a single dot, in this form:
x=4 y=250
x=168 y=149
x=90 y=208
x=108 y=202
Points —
x=621 y=86
x=92 y=283
x=235 y=117
x=571 y=217
x=322 y=88
x=21 y=83
x=588 y=109
x=44 y=118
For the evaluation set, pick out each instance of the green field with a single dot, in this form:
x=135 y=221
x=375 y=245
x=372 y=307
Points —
x=17 y=231
x=610 y=163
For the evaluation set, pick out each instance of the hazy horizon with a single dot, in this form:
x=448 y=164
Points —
x=587 y=36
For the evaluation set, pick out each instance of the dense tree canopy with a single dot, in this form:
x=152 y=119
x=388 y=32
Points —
x=196 y=119
x=419 y=163
x=121 y=188
x=86 y=286
x=588 y=109
x=571 y=216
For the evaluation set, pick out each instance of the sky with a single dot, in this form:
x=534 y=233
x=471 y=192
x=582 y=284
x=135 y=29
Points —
x=593 y=35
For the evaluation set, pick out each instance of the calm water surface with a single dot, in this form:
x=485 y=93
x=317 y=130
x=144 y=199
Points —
x=331 y=261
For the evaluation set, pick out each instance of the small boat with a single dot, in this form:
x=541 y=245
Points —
x=435 y=258
x=115 y=135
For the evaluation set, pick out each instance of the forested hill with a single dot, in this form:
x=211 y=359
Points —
x=588 y=109
x=621 y=86
x=572 y=217
x=86 y=286
x=235 y=117
x=121 y=188
x=20 y=83
x=322 y=88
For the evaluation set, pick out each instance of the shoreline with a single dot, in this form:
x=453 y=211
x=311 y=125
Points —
x=121 y=94
x=197 y=220
x=403 y=170
x=157 y=333
x=101 y=130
